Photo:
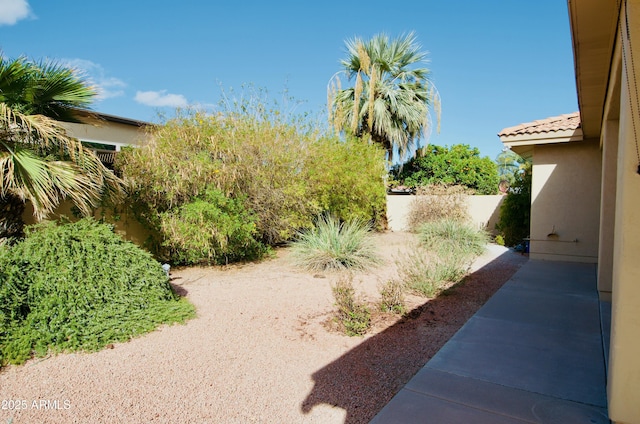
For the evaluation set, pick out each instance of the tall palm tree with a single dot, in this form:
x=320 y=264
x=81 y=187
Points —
x=39 y=162
x=391 y=99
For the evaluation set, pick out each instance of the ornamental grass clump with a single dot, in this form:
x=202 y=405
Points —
x=427 y=274
x=79 y=286
x=332 y=245
x=454 y=237
x=445 y=253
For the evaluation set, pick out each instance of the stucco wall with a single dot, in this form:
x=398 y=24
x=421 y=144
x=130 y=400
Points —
x=624 y=366
x=125 y=225
x=483 y=210
x=110 y=132
x=565 y=201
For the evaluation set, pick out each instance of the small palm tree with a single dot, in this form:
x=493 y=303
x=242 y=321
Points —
x=39 y=162
x=509 y=165
x=391 y=100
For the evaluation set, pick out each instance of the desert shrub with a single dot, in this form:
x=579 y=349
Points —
x=79 y=286
x=392 y=296
x=428 y=274
x=333 y=245
x=285 y=170
x=446 y=250
x=342 y=176
x=437 y=202
x=353 y=315
x=451 y=236
x=459 y=164
x=213 y=228
x=515 y=212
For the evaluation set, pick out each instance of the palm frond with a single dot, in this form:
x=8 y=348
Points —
x=392 y=98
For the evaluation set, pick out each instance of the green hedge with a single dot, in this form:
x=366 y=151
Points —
x=278 y=175
x=79 y=286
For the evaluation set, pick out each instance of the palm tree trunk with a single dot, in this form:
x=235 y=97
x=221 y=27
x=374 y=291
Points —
x=11 y=223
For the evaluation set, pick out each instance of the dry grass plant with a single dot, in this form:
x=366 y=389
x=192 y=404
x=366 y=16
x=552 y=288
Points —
x=435 y=202
x=392 y=296
x=352 y=314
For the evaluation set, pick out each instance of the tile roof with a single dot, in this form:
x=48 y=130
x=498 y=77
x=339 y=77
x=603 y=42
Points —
x=569 y=121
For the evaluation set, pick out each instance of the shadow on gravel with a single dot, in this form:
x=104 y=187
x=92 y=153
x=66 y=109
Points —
x=364 y=380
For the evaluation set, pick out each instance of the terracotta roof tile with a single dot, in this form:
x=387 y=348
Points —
x=569 y=121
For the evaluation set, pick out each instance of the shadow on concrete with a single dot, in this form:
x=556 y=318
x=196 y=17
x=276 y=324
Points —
x=364 y=380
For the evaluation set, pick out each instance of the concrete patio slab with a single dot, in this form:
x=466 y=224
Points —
x=533 y=353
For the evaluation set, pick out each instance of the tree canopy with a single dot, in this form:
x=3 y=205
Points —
x=391 y=97
x=39 y=162
x=459 y=164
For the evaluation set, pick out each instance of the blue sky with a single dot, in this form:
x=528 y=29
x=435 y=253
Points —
x=496 y=63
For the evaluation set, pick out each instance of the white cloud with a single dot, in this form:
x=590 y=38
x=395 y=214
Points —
x=107 y=86
x=160 y=98
x=11 y=11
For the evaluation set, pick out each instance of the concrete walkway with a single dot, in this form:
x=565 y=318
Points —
x=532 y=354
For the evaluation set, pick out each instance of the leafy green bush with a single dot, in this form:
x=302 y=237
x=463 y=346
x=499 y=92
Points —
x=353 y=315
x=457 y=165
x=79 y=286
x=285 y=171
x=333 y=245
x=345 y=179
x=515 y=212
x=212 y=228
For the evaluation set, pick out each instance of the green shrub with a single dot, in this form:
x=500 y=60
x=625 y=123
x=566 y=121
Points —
x=515 y=212
x=459 y=164
x=79 y=286
x=499 y=240
x=437 y=202
x=334 y=245
x=345 y=179
x=212 y=229
x=286 y=172
x=392 y=296
x=353 y=315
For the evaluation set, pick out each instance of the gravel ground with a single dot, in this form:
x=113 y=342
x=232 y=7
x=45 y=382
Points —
x=258 y=351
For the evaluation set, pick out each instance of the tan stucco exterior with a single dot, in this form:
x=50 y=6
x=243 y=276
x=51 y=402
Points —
x=565 y=198
x=624 y=365
x=108 y=129
x=124 y=222
x=589 y=187
x=565 y=191
x=118 y=132
x=483 y=211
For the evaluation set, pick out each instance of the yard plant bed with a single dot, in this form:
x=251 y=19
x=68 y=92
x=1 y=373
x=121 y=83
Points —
x=258 y=350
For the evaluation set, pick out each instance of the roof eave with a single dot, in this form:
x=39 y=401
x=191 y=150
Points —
x=593 y=31
x=566 y=136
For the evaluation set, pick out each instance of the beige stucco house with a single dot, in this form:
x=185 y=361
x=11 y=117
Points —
x=106 y=135
x=586 y=180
